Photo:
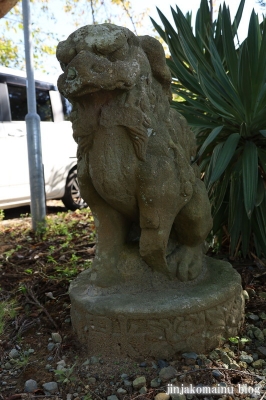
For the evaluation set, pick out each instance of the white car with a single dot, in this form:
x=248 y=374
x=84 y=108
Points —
x=58 y=146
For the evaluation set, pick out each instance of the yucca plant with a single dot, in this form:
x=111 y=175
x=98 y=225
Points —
x=223 y=87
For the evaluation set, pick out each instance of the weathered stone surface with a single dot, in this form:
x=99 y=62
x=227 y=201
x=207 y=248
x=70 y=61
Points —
x=262 y=350
x=186 y=316
x=30 y=386
x=162 y=396
x=150 y=207
x=246 y=358
x=167 y=373
x=57 y=338
x=139 y=382
x=134 y=153
x=50 y=387
x=258 y=364
x=155 y=383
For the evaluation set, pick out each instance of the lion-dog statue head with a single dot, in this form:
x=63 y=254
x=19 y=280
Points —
x=134 y=153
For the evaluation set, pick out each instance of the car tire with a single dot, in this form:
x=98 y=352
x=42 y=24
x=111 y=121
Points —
x=72 y=199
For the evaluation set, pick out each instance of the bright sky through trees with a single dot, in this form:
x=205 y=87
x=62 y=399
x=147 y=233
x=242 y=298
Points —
x=55 y=24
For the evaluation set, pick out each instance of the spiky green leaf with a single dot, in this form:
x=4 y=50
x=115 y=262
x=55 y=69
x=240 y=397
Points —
x=250 y=176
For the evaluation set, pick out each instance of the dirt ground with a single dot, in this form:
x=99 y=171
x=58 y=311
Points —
x=34 y=277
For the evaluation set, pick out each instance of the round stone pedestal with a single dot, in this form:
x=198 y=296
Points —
x=151 y=316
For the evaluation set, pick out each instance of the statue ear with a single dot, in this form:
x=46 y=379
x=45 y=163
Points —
x=156 y=56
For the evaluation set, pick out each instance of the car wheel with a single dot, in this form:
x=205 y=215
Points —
x=72 y=199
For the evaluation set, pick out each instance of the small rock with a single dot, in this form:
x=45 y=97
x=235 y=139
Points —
x=155 y=383
x=243 y=364
x=178 y=397
x=262 y=350
x=7 y=365
x=14 y=353
x=31 y=351
x=214 y=355
x=258 y=334
x=245 y=294
x=153 y=365
x=30 y=386
x=225 y=358
x=143 y=365
x=191 y=355
x=162 y=396
x=50 y=387
x=253 y=317
x=251 y=292
x=50 y=346
x=57 y=338
x=258 y=364
x=127 y=383
x=250 y=334
x=121 y=391
x=113 y=397
x=61 y=365
x=260 y=377
x=255 y=356
x=69 y=396
x=139 y=382
x=190 y=358
x=162 y=364
x=48 y=366
x=167 y=373
x=91 y=380
x=217 y=374
x=246 y=358
x=262 y=316
x=124 y=376
x=94 y=360
x=143 y=390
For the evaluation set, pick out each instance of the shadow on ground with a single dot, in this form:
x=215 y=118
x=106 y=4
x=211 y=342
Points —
x=52 y=207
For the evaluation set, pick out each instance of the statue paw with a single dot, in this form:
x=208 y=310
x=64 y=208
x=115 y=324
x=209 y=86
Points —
x=189 y=265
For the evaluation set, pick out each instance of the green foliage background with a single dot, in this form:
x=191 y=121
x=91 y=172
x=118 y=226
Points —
x=223 y=86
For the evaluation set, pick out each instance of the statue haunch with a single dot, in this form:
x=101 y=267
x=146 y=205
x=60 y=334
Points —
x=134 y=153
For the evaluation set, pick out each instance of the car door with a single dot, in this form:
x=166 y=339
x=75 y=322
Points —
x=14 y=182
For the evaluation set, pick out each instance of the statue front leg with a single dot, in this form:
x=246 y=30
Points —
x=111 y=230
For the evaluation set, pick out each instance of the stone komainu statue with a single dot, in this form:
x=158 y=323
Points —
x=134 y=153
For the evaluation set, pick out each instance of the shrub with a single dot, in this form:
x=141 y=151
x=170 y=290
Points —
x=222 y=84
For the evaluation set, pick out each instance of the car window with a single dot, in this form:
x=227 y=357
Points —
x=18 y=103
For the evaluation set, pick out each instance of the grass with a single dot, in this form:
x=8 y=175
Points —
x=7 y=311
x=28 y=262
